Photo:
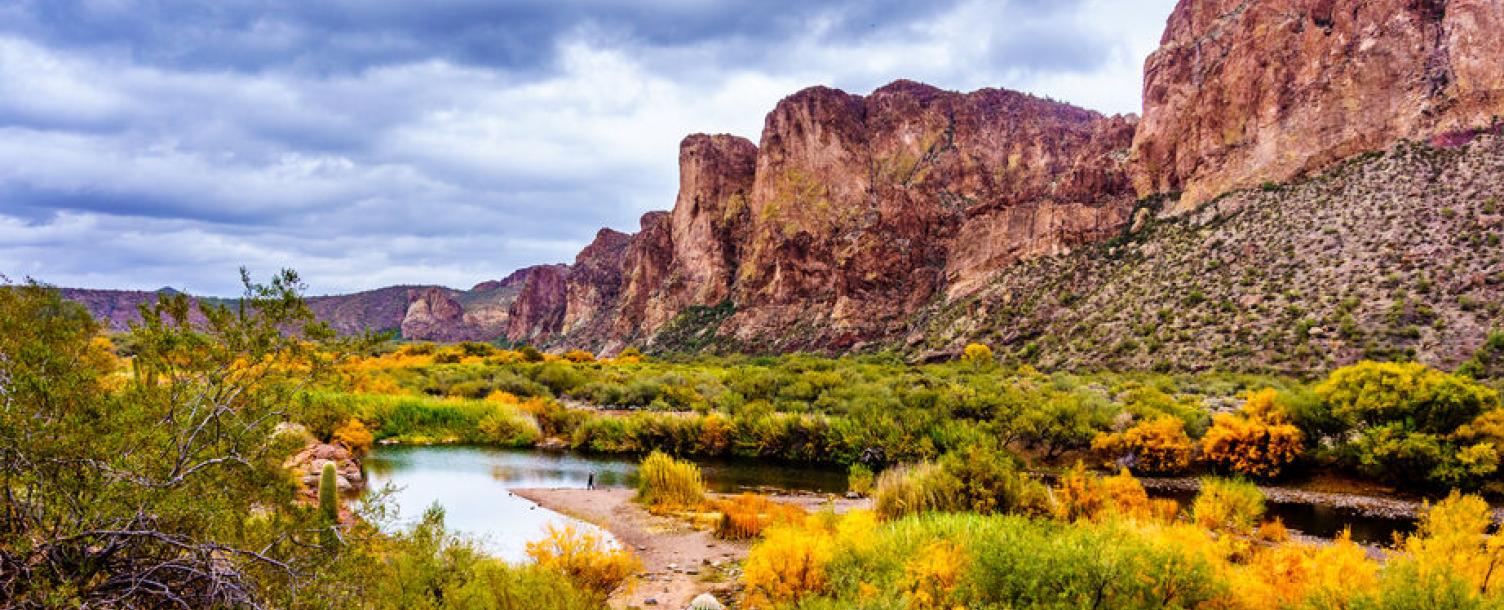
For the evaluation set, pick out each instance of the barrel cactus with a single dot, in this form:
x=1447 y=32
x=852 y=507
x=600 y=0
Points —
x=706 y=601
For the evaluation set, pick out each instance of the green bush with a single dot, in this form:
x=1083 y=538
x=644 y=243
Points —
x=859 y=480
x=1016 y=562
x=1228 y=504
x=1399 y=422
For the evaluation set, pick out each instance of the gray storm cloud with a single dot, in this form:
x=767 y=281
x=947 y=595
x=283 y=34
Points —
x=150 y=143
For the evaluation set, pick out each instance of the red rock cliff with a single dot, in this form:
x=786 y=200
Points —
x=864 y=208
x=1246 y=91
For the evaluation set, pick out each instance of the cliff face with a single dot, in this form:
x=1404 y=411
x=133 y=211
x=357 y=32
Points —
x=1247 y=91
x=852 y=213
x=865 y=208
x=538 y=311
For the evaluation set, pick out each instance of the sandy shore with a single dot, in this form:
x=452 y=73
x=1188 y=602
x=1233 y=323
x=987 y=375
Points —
x=679 y=562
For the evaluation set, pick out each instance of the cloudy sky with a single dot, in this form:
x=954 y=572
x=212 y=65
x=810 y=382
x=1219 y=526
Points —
x=146 y=143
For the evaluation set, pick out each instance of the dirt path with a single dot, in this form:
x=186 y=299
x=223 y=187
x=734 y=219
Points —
x=679 y=562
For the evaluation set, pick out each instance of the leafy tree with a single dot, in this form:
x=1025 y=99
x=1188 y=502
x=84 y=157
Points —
x=1403 y=419
x=135 y=490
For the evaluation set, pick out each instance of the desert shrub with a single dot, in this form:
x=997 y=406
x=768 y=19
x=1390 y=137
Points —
x=473 y=389
x=1082 y=495
x=932 y=577
x=666 y=483
x=1227 y=505
x=560 y=377
x=578 y=356
x=585 y=557
x=509 y=427
x=1158 y=446
x=964 y=560
x=988 y=481
x=747 y=515
x=1402 y=418
x=1487 y=362
x=1258 y=442
x=553 y=418
x=1321 y=576
x=428 y=567
x=1057 y=421
x=789 y=563
x=354 y=435
x=977 y=355
x=860 y=480
x=911 y=489
x=1022 y=564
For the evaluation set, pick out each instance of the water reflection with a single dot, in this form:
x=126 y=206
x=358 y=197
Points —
x=472 y=484
x=1319 y=520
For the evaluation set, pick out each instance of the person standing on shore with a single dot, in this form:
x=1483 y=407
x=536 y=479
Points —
x=590 y=483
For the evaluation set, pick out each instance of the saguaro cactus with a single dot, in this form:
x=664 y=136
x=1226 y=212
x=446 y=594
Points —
x=329 y=493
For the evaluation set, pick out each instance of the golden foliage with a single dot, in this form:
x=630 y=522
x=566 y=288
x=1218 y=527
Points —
x=747 y=515
x=1251 y=444
x=1300 y=575
x=1157 y=446
x=1082 y=495
x=977 y=355
x=664 y=483
x=1453 y=541
x=354 y=435
x=1227 y=505
x=934 y=574
x=578 y=356
x=789 y=563
x=585 y=557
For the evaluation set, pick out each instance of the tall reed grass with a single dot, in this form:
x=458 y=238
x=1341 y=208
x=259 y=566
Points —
x=666 y=483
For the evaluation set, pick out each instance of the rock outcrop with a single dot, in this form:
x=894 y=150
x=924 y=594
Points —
x=538 y=311
x=1243 y=92
x=433 y=314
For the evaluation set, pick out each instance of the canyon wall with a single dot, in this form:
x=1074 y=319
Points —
x=1243 y=92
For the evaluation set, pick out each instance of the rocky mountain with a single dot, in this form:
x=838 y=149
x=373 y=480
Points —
x=1242 y=92
x=1309 y=181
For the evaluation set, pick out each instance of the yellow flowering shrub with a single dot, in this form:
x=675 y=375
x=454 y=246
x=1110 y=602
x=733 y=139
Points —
x=789 y=563
x=585 y=557
x=1250 y=443
x=932 y=575
x=353 y=434
x=1158 y=446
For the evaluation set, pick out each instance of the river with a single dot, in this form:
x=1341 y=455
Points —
x=473 y=486
x=473 y=483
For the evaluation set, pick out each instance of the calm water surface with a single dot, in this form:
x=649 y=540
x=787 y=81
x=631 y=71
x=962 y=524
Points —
x=473 y=483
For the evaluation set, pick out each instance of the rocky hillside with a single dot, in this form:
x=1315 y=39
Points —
x=919 y=218
x=1389 y=255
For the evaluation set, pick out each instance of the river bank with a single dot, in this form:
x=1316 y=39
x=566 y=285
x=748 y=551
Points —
x=678 y=561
